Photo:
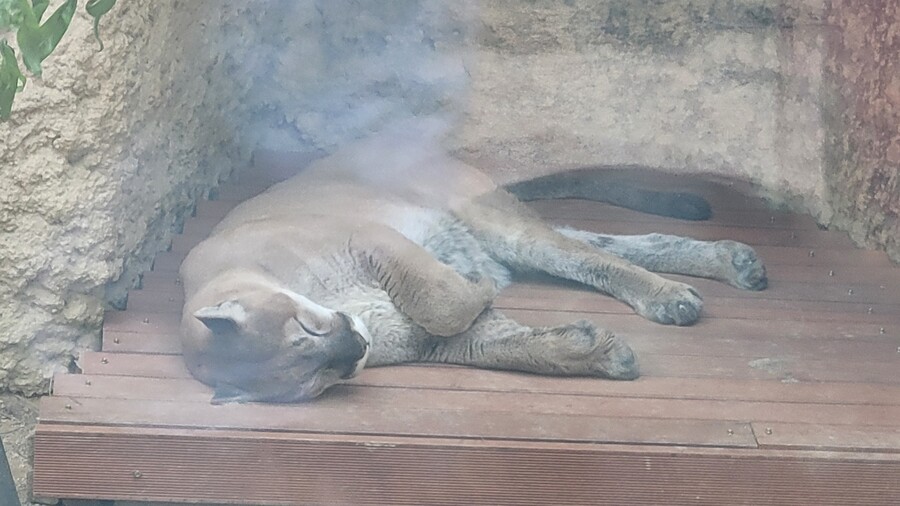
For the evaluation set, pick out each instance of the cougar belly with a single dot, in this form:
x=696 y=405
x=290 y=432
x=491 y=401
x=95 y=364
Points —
x=450 y=242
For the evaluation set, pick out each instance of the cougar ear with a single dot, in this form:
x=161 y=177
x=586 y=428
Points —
x=225 y=318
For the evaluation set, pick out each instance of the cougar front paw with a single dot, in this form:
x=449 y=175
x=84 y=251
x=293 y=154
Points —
x=743 y=268
x=676 y=303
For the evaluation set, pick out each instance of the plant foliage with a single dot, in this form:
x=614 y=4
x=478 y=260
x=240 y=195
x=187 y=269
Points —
x=36 y=39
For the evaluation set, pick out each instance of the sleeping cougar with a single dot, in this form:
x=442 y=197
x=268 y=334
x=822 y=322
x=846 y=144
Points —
x=390 y=251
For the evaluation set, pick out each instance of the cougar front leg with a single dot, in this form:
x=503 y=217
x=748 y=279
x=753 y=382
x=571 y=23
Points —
x=430 y=293
x=496 y=342
x=727 y=261
x=510 y=233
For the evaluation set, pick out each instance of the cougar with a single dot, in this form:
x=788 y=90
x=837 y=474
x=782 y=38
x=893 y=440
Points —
x=391 y=251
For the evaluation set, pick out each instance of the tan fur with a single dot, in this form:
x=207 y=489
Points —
x=391 y=251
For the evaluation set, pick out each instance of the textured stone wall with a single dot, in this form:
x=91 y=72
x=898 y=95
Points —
x=724 y=87
x=343 y=68
x=863 y=120
x=709 y=86
x=101 y=157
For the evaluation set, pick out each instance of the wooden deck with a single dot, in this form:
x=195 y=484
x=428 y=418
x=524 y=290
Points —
x=787 y=396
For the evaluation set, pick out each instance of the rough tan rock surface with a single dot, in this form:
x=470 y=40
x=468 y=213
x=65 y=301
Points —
x=863 y=121
x=101 y=157
x=702 y=86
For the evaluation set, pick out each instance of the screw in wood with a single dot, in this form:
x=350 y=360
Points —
x=881 y=330
x=137 y=474
x=104 y=360
x=812 y=253
x=769 y=431
x=771 y=219
x=68 y=406
x=850 y=292
x=870 y=310
x=87 y=382
x=146 y=320
x=116 y=340
x=831 y=273
x=730 y=432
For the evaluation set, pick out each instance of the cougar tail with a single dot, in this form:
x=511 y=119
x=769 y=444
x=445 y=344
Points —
x=600 y=185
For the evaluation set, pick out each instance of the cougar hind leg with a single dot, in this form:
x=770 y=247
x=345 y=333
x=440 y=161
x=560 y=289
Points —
x=497 y=342
x=728 y=261
x=510 y=232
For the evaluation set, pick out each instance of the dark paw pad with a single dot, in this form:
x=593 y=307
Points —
x=618 y=360
x=680 y=306
x=749 y=271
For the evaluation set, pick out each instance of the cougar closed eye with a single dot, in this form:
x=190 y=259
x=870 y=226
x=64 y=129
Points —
x=309 y=330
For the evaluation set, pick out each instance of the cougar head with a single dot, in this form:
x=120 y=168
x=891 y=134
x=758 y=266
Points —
x=274 y=346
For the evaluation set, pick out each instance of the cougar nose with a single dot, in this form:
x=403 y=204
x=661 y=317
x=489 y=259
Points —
x=355 y=357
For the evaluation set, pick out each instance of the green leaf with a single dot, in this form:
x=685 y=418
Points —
x=11 y=79
x=38 y=7
x=11 y=14
x=37 y=41
x=97 y=8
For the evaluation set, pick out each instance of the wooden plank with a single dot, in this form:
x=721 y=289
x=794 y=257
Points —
x=539 y=297
x=780 y=311
x=133 y=342
x=857 y=278
x=757 y=237
x=780 y=289
x=824 y=436
x=550 y=298
x=272 y=468
x=128 y=364
x=480 y=380
x=787 y=369
x=850 y=276
x=773 y=255
x=165 y=288
x=333 y=415
x=168 y=261
x=484 y=414
x=716 y=338
x=806 y=295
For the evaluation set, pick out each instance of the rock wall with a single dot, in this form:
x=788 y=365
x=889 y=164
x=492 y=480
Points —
x=101 y=157
x=703 y=86
x=726 y=87
x=863 y=120
x=344 y=68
